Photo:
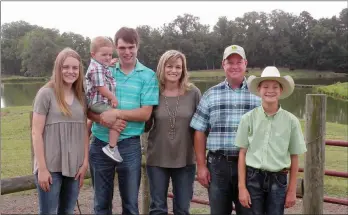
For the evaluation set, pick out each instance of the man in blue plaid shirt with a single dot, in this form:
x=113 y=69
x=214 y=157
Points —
x=216 y=121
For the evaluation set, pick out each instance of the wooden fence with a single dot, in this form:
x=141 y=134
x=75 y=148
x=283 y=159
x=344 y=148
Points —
x=311 y=188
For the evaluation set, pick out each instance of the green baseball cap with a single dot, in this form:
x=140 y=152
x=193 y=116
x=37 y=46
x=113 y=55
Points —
x=234 y=49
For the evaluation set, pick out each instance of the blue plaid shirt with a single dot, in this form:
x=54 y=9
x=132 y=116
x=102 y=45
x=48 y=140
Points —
x=219 y=112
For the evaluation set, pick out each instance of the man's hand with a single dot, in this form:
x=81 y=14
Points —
x=290 y=199
x=244 y=197
x=109 y=117
x=203 y=176
x=119 y=125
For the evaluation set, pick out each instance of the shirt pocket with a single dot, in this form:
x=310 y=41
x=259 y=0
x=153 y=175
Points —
x=281 y=139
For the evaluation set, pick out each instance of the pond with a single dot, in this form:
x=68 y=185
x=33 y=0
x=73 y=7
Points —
x=337 y=110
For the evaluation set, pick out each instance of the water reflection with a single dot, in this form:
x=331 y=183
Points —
x=337 y=110
x=19 y=94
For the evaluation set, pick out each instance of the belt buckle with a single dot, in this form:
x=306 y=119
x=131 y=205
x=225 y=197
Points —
x=284 y=171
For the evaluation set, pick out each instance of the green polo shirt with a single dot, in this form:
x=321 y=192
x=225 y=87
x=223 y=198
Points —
x=270 y=140
x=133 y=90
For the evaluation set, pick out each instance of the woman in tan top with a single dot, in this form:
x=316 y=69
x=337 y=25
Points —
x=59 y=136
x=170 y=152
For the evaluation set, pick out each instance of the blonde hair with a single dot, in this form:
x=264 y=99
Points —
x=170 y=56
x=57 y=82
x=99 y=42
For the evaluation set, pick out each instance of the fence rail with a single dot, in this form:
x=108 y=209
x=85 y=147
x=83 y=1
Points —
x=23 y=183
x=331 y=173
x=310 y=188
x=336 y=143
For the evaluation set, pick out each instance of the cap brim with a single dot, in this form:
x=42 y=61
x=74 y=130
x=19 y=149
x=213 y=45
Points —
x=232 y=54
x=287 y=83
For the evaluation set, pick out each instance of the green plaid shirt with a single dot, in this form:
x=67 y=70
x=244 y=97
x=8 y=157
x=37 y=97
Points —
x=270 y=140
x=220 y=111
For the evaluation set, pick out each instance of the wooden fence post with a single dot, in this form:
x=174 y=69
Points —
x=144 y=180
x=314 y=161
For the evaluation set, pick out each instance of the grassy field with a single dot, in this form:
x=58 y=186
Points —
x=21 y=79
x=16 y=152
x=296 y=74
x=338 y=90
x=203 y=74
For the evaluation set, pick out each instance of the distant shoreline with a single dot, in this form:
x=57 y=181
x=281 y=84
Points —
x=204 y=75
x=296 y=74
x=22 y=79
x=338 y=90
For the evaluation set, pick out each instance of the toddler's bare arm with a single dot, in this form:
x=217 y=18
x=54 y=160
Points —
x=106 y=93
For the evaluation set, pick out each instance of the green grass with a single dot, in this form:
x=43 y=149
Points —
x=338 y=90
x=199 y=210
x=336 y=158
x=22 y=79
x=15 y=142
x=16 y=149
x=296 y=74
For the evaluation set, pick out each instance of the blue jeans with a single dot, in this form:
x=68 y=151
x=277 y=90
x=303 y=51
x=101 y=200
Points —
x=223 y=188
x=182 y=181
x=62 y=197
x=103 y=173
x=267 y=191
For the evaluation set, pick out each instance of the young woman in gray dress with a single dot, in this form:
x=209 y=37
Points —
x=170 y=152
x=59 y=136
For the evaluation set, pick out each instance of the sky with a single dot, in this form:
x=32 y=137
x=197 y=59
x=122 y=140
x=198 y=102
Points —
x=92 y=19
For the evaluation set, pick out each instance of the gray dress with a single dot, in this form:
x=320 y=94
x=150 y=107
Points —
x=63 y=136
x=162 y=151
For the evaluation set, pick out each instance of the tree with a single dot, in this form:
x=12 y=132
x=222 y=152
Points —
x=11 y=33
x=38 y=51
x=77 y=42
x=277 y=38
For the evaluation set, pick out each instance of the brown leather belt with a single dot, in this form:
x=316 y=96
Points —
x=283 y=171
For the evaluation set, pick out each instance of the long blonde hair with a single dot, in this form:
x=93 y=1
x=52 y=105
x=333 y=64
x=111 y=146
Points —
x=57 y=82
x=169 y=56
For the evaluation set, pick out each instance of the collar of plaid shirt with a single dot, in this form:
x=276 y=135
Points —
x=243 y=85
x=97 y=62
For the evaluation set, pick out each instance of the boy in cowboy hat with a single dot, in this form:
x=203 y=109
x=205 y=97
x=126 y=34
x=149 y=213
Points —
x=270 y=140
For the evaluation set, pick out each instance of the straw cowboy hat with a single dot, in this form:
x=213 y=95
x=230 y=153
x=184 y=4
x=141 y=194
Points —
x=272 y=73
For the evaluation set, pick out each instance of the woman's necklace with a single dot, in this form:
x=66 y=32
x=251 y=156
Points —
x=172 y=117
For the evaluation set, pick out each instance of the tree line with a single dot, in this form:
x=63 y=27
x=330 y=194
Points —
x=278 y=38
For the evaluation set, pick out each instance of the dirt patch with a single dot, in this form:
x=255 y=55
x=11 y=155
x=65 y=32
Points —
x=27 y=203
x=3 y=114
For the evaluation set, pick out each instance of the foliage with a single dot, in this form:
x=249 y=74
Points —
x=277 y=38
x=338 y=90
